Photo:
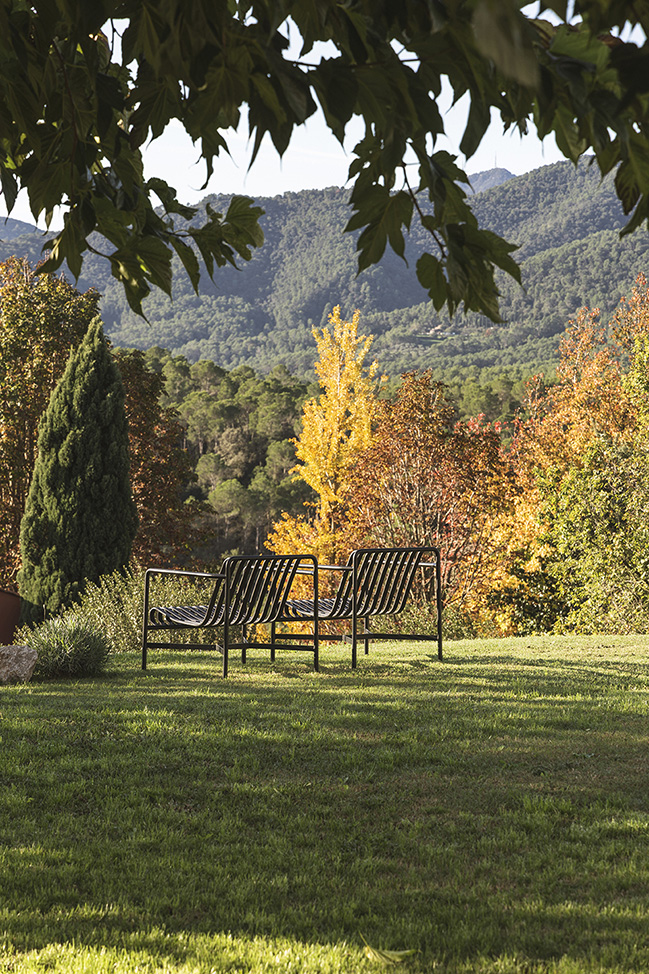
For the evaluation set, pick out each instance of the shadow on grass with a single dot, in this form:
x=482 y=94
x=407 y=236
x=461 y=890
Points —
x=452 y=809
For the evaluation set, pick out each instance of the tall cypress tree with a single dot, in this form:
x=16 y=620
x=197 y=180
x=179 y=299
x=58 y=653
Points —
x=42 y=317
x=80 y=518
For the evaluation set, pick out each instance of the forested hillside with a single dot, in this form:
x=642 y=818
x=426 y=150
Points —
x=564 y=221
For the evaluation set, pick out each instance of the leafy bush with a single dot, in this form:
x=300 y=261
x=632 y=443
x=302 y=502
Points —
x=68 y=646
x=421 y=620
x=113 y=605
x=415 y=619
x=457 y=624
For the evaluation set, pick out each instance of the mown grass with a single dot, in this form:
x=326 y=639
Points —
x=491 y=812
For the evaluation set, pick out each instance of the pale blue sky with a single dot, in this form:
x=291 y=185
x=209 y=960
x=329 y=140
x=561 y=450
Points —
x=314 y=160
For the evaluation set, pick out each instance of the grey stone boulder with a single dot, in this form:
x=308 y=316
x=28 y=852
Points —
x=17 y=663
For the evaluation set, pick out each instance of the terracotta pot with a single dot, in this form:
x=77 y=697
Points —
x=9 y=616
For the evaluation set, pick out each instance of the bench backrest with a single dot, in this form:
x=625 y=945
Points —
x=256 y=588
x=383 y=578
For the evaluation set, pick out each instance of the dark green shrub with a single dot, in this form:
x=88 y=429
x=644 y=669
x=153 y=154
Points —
x=68 y=646
x=415 y=619
x=457 y=624
x=80 y=518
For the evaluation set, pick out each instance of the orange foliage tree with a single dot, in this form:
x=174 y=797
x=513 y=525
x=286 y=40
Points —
x=429 y=480
x=160 y=468
x=588 y=398
x=591 y=401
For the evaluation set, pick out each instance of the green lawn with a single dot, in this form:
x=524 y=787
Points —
x=490 y=812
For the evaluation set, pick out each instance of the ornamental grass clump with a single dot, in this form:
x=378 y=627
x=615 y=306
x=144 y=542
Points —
x=68 y=646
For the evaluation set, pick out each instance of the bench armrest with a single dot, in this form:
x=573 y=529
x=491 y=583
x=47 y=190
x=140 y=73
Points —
x=183 y=574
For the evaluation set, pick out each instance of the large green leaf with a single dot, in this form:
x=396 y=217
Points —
x=502 y=34
x=383 y=215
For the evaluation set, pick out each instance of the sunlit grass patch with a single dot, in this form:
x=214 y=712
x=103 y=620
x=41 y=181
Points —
x=489 y=812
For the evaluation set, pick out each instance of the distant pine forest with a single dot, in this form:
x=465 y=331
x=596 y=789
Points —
x=565 y=221
x=234 y=366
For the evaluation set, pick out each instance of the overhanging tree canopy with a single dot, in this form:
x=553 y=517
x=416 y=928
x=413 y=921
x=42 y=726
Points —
x=76 y=107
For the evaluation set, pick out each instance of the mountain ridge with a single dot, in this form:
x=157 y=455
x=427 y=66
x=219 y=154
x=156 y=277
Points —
x=565 y=221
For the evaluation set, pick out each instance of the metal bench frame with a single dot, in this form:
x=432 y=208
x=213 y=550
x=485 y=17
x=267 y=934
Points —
x=248 y=591
x=374 y=582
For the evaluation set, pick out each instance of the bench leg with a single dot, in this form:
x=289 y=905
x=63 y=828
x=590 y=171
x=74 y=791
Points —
x=145 y=619
x=226 y=640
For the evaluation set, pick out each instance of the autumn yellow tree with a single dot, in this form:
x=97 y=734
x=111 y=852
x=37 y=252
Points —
x=336 y=429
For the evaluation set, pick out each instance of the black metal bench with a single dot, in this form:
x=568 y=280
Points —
x=374 y=582
x=248 y=591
